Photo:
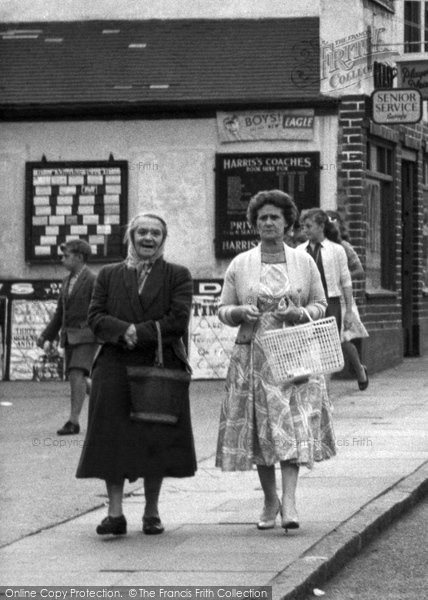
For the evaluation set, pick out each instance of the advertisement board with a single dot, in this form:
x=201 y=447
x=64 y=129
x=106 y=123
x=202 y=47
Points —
x=396 y=106
x=413 y=74
x=241 y=126
x=240 y=176
x=27 y=307
x=210 y=341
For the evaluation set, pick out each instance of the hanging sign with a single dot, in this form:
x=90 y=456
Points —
x=396 y=106
x=413 y=74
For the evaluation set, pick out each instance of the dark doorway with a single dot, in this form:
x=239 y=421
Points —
x=409 y=242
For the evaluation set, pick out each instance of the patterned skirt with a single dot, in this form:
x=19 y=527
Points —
x=263 y=423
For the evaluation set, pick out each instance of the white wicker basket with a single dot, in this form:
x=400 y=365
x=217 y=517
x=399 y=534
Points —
x=303 y=350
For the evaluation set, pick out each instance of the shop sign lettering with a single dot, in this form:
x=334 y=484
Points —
x=242 y=126
x=396 y=106
x=414 y=74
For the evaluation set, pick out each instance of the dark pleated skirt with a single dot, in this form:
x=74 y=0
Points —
x=116 y=448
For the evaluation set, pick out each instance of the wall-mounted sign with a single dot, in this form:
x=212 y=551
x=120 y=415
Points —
x=347 y=61
x=413 y=74
x=396 y=106
x=240 y=176
x=26 y=307
x=253 y=125
x=66 y=200
x=210 y=341
x=25 y=310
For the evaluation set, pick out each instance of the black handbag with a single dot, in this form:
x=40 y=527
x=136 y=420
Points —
x=157 y=393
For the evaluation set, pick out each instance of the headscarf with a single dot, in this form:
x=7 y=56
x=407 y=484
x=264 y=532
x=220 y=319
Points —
x=133 y=261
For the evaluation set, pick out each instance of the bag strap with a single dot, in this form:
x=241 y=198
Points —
x=159 y=350
x=307 y=313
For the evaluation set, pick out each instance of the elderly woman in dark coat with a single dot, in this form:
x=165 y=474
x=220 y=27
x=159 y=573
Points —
x=128 y=299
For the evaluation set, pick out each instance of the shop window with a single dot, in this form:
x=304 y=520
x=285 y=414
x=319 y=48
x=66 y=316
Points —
x=379 y=159
x=380 y=236
x=415 y=26
x=380 y=240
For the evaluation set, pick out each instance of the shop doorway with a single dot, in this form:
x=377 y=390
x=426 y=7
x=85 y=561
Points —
x=409 y=241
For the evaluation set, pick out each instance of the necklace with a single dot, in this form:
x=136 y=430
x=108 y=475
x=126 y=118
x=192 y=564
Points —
x=273 y=257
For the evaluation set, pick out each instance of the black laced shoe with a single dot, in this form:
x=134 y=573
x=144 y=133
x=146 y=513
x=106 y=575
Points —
x=152 y=525
x=113 y=525
x=69 y=429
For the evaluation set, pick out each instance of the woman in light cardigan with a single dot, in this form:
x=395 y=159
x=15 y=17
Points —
x=261 y=422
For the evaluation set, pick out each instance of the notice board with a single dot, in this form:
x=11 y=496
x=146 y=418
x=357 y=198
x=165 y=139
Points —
x=240 y=176
x=67 y=200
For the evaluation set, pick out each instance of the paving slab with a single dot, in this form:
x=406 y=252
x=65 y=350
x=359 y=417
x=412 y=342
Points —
x=211 y=538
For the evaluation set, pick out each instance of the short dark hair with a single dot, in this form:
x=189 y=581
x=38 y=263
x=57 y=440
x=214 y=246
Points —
x=277 y=198
x=77 y=246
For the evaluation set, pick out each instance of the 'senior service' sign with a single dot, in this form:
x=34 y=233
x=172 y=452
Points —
x=396 y=106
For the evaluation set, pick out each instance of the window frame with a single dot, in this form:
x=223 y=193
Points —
x=387 y=225
x=415 y=18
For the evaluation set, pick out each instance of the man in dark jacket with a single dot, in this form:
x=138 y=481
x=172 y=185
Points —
x=71 y=319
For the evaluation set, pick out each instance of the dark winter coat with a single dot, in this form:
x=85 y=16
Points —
x=115 y=447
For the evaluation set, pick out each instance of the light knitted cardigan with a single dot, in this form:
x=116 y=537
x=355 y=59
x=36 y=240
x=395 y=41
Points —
x=242 y=280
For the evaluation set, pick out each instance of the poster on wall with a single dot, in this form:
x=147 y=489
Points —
x=291 y=124
x=3 y=329
x=29 y=307
x=66 y=200
x=28 y=319
x=210 y=341
x=240 y=176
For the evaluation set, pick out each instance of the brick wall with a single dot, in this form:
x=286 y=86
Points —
x=382 y=313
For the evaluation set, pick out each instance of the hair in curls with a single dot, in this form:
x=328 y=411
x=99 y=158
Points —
x=277 y=198
x=320 y=217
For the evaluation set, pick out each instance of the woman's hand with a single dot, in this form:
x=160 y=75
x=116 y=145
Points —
x=288 y=312
x=247 y=313
x=130 y=336
x=348 y=319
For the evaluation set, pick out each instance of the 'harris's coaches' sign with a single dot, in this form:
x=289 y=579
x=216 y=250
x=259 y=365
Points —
x=240 y=176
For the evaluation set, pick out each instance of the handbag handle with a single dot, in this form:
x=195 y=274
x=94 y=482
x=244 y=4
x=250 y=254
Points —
x=310 y=319
x=307 y=314
x=159 y=349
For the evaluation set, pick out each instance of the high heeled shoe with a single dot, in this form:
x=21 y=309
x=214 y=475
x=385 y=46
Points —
x=363 y=385
x=288 y=521
x=267 y=518
x=290 y=524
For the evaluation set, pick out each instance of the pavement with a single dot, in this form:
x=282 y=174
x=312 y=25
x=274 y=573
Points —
x=48 y=518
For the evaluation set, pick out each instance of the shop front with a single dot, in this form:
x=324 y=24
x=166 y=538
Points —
x=191 y=145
